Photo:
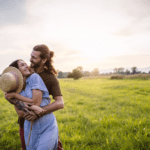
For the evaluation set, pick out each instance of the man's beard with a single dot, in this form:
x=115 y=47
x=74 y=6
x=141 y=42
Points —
x=35 y=65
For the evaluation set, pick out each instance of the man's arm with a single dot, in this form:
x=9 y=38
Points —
x=56 y=105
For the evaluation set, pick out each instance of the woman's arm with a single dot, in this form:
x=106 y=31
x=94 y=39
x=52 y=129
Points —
x=36 y=97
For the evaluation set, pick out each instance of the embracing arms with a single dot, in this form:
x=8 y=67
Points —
x=30 y=106
x=35 y=110
x=56 y=105
x=36 y=99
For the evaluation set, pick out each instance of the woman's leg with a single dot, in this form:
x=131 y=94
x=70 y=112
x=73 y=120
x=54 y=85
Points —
x=21 y=132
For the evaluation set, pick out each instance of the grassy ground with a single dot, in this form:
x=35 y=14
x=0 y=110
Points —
x=99 y=114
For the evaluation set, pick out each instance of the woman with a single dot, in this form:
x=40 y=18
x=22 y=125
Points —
x=44 y=135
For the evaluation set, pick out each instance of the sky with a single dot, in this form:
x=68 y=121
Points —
x=100 y=34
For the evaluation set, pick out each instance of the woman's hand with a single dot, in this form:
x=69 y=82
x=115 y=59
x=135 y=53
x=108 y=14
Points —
x=10 y=95
x=36 y=109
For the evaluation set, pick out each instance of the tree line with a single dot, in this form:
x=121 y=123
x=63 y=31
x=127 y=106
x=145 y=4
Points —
x=134 y=70
x=79 y=72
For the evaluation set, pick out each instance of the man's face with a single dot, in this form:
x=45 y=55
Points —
x=35 y=59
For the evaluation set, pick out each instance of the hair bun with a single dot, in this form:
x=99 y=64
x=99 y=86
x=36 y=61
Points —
x=51 y=54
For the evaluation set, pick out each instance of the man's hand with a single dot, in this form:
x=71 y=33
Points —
x=37 y=110
x=30 y=116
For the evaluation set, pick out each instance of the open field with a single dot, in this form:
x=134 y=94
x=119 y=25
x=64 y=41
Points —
x=99 y=114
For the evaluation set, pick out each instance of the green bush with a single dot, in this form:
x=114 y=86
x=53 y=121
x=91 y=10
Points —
x=77 y=74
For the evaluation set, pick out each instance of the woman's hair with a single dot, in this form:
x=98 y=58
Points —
x=46 y=53
x=14 y=64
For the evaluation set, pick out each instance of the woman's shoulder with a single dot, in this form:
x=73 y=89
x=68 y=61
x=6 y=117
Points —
x=33 y=76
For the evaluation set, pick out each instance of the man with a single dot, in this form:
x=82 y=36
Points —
x=41 y=63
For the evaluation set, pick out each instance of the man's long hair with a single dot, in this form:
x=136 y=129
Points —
x=46 y=53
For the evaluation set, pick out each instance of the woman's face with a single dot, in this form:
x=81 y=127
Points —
x=24 y=69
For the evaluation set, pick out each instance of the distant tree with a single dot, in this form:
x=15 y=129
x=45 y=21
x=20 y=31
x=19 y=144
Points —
x=65 y=74
x=79 y=68
x=149 y=72
x=110 y=73
x=86 y=73
x=144 y=73
x=116 y=70
x=138 y=72
x=95 y=72
x=134 y=69
x=60 y=74
x=127 y=72
x=120 y=70
x=70 y=75
x=77 y=74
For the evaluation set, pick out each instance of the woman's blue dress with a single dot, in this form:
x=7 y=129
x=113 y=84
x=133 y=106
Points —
x=44 y=134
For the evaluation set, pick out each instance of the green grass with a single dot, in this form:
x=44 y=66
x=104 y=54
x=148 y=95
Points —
x=99 y=114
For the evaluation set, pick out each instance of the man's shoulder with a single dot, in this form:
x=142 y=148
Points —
x=46 y=74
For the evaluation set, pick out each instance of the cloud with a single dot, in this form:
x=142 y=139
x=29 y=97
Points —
x=69 y=63
x=139 y=26
x=125 y=61
x=138 y=9
x=6 y=58
x=138 y=14
x=12 y=12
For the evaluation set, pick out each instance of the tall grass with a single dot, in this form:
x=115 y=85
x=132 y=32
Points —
x=97 y=77
x=99 y=114
x=135 y=76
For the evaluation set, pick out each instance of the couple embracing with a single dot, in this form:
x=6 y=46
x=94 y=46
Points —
x=38 y=127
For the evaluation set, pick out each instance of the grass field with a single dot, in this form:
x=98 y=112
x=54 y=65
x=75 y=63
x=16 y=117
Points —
x=99 y=114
